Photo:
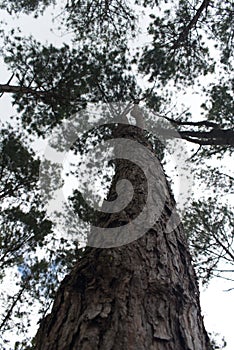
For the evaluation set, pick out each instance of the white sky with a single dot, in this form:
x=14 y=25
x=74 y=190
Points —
x=217 y=305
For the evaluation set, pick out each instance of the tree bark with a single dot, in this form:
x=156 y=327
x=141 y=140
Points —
x=140 y=296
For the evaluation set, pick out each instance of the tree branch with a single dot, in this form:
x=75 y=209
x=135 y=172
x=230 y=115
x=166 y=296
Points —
x=24 y=90
x=16 y=298
x=9 y=81
x=191 y=24
x=206 y=123
x=214 y=137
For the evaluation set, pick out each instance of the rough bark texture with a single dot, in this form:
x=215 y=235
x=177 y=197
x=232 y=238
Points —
x=141 y=296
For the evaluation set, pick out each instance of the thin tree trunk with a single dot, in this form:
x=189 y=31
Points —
x=140 y=296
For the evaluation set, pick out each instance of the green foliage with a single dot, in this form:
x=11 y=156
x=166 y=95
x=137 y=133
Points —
x=209 y=226
x=62 y=80
x=222 y=30
x=220 y=105
x=24 y=225
x=30 y=254
x=26 y=6
x=216 y=180
x=108 y=20
x=176 y=52
x=19 y=170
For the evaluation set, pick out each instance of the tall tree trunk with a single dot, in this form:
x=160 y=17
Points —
x=140 y=296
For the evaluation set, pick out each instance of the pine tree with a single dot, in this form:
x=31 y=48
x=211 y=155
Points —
x=142 y=294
